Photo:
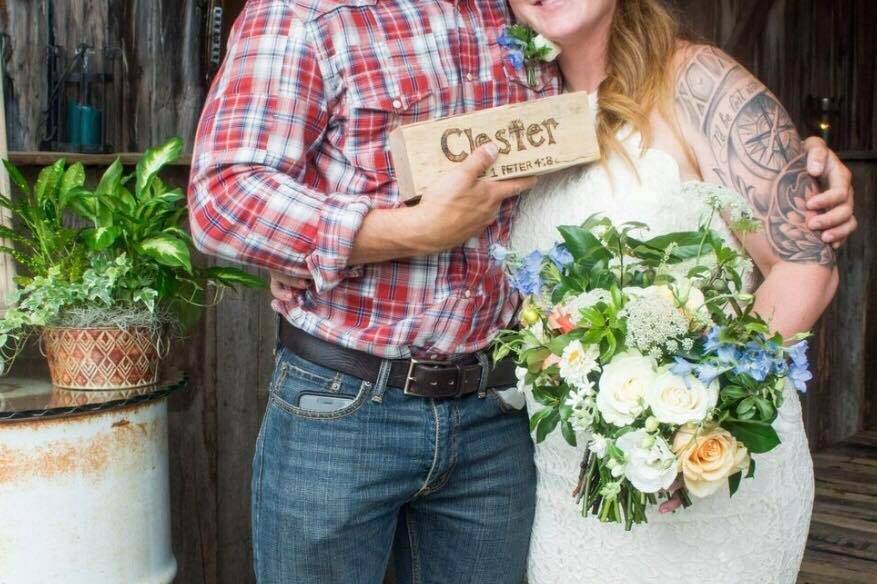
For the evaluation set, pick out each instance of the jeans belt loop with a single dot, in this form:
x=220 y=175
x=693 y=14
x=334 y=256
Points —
x=484 y=361
x=381 y=382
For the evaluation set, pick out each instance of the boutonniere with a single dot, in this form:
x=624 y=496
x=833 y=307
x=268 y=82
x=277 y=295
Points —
x=526 y=48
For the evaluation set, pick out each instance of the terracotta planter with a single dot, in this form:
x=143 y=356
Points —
x=101 y=358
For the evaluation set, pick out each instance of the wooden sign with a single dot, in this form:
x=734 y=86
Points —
x=533 y=138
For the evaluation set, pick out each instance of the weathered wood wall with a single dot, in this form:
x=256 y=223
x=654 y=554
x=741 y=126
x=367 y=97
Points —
x=160 y=83
x=799 y=47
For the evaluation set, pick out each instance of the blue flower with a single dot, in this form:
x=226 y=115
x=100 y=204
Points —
x=498 y=253
x=528 y=279
x=798 y=353
x=508 y=41
x=533 y=262
x=755 y=362
x=780 y=368
x=682 y=368
x=516 y=58
x=707 y=372
x=800 y=376
x=560 y=255
x=711 y=341
x=527 y=282
x=728 y=354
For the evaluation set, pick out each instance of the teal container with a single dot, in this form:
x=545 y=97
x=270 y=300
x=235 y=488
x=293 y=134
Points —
x=84 y=125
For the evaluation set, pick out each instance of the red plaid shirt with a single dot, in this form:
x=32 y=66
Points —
x=292 y=154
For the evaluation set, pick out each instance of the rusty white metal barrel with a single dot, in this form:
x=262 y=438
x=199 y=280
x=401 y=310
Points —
x=84 y=491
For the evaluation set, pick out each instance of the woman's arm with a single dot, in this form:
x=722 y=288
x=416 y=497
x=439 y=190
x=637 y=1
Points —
x=743 y=138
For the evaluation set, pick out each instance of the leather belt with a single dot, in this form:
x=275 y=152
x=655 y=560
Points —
x=422 y=378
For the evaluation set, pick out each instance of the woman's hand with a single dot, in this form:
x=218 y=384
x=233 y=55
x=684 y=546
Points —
x=284 y=287
x=835 y=203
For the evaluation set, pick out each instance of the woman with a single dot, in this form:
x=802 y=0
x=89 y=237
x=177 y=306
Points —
x=672 y=115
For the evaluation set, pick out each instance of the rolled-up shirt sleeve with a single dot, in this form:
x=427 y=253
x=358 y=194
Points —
x=264 y=117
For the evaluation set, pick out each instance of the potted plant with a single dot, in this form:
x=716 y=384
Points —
x=105 y=298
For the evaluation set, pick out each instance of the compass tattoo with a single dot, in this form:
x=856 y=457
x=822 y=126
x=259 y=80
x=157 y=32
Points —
x=756 y=148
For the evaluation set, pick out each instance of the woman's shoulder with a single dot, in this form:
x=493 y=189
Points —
x=691 y=54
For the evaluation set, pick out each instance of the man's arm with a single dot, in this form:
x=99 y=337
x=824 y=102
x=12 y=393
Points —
x=743 y=138
x=267 y=110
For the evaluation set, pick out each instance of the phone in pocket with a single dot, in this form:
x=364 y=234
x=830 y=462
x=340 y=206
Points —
x=324 y=403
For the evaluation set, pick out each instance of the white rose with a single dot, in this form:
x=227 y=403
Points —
x=679 y=400
x=553 y=50
x=648 y=468
x=623 y=387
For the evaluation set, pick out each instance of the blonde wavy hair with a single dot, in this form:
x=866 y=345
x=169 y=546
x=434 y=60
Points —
x=642 y=45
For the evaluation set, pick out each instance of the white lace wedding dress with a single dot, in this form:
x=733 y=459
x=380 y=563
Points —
x=757 y=537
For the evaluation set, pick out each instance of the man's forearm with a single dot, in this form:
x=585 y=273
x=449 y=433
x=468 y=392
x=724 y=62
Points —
x=390 y=234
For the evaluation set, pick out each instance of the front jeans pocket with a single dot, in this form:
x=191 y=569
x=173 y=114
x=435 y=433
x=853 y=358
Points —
x=311 y=391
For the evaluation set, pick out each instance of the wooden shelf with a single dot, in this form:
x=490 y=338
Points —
x=47 y=158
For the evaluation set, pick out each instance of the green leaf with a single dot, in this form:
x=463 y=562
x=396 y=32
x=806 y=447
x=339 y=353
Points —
x=74 y=178
x=232 y=276
x=46 y=188
x=16 y=177
x=75 y=197
x=546 y=426
x=734 y=482
x=539 y=416
x=751 y=472
x=568 y=433
x=688 y=243
x=168 y=251
x=100 y=238
x=765 y=409
x=580 y=242
x=152 y=162
x=757 y=437
x=109 y=183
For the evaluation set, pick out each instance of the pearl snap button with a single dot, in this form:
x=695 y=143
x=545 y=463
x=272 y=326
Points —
x=397 y=103
x=469 y=77
x=468 y=294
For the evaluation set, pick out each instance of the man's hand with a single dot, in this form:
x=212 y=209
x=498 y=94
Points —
x=283 y=287
x=835 y=203
x=460 y=206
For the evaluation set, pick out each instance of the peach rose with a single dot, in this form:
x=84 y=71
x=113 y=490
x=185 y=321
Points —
x=561 y=321
x=707 y=457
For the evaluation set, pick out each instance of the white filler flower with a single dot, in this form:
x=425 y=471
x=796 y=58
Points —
x=623 y=387
x=649 y=464
x=679 y=400
x=577 y=362
x=553 y=50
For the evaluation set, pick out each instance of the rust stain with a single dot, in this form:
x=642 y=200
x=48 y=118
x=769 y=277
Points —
x=90 y=456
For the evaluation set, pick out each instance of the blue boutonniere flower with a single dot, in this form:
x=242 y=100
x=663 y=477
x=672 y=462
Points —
x=526 y=48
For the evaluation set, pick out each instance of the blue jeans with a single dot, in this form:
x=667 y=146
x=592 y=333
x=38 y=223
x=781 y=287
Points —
x=447 y=485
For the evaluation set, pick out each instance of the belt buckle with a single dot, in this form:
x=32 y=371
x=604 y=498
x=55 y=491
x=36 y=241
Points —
x=409 y=378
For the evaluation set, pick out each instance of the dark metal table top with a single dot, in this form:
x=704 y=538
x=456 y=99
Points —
x=23 y=398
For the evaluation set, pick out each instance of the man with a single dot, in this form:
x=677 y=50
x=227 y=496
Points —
x=384 y=429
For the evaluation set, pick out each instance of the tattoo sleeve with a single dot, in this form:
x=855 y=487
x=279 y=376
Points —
x=755 y=147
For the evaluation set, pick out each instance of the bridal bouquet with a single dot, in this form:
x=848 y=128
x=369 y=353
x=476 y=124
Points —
x=648 y=354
